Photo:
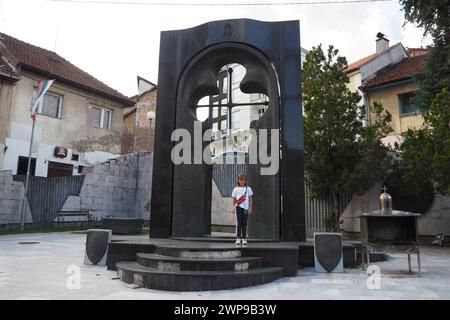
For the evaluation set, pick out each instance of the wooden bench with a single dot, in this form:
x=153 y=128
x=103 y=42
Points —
x=78 y=213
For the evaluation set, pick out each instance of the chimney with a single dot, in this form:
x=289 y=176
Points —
x=382 y=43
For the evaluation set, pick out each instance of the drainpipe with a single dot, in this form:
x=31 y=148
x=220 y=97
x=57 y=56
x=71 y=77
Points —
x=366 y=104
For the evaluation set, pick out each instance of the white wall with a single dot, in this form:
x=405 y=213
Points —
x=43 y=153
x=393 y=55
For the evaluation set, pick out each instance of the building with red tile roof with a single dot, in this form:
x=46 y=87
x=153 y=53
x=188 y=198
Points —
x=394 y=87
x=366 y=68
x=355 y=65
x=50 y=64
x=79 y=113
x=406 y=69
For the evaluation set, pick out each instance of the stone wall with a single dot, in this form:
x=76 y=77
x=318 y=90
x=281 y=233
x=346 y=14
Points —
x=144 y=185
x=221 y=207
x=360 y=204
x=109 y=188
x=11 y=195
x=116 y=188
x=435 y=220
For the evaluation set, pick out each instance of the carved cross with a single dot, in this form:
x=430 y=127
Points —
x=225 y=75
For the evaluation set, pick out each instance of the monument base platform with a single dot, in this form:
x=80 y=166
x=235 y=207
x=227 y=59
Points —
x=290 y=255
x=212 y=263
x=123 y=225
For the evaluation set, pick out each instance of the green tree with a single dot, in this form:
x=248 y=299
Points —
x=426 y=152
x=341 y=154
x=431 y=15
x=434 y=17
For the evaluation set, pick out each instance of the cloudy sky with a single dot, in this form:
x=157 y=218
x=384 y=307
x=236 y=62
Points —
x=116 y=42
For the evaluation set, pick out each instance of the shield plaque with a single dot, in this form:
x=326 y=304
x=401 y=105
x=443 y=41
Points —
x=328 y=249
x=96 y=245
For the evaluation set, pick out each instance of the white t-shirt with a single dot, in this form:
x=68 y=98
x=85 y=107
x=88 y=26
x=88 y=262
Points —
x=238 y=192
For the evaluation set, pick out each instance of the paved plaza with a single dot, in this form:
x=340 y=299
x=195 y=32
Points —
x=44 y=266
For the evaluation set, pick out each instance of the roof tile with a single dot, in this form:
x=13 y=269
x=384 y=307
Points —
x=360 y=62
x=405 y=69
x=41 y=60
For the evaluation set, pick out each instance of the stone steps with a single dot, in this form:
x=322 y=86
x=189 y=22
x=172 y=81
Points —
x=131 y=272
x=161 y=262
x=205 y=253
x=196 y=269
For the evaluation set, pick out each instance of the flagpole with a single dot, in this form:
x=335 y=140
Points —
x=25 y=197
x=42 y=88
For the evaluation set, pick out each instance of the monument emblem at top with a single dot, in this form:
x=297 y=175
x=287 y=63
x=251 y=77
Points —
x=227 y=31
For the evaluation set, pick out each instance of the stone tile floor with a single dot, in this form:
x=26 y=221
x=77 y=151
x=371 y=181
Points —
x=43 y=270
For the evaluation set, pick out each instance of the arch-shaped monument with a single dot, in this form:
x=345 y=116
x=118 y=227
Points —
x=190 y=60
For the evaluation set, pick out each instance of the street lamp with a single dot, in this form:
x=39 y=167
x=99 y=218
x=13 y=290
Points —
x=150 y=116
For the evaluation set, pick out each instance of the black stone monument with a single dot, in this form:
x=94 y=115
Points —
x=189 y=65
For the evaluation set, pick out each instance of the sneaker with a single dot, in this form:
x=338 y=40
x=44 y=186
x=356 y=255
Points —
x=238 y=242
x=244 y=242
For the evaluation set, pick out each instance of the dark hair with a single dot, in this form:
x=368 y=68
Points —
x=240 y=177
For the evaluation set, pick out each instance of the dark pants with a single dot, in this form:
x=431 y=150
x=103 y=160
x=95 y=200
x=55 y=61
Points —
x=241 y=221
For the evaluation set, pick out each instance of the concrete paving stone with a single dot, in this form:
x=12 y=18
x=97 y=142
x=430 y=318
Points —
x=40 y=271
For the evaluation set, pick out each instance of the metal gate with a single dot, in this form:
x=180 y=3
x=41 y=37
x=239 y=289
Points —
x=46 y=196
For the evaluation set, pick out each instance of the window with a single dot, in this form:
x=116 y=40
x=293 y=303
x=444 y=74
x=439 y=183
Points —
x=99 y=117
x=406 y=105
x=235 y=119
x=225 y=85
x=57 y=169
x=51 y=106
x=224 y=125
x=22 y=166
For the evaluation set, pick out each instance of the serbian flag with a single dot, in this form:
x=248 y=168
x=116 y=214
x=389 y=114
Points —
x=41 y=90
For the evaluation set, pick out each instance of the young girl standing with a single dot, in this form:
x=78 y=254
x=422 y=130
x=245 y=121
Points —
x=242 y=207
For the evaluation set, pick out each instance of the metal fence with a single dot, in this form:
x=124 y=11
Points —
x=317 y=209
x=46 y=196
x=224 y=176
